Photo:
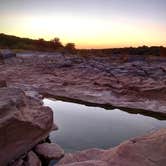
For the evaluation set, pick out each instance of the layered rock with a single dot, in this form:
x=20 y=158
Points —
x=138 y=85
x=22 y=124
x=149 y=150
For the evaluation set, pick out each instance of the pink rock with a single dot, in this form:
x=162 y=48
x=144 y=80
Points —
x=32 y=160
x=88 y=163
x=22 y=125
x=49 y=151
x=18 y=162
x=148 y=150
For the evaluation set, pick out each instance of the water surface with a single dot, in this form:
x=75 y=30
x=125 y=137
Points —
x=82 y=127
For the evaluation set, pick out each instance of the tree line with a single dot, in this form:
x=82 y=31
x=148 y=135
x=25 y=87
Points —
x=13 y=42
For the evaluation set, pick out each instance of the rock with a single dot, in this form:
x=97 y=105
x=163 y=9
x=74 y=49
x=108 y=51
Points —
x=3 y=83
x=22 y=125
x=136 y=85
x=7 y=53
x=148 y=150
x=88 y=163
x=32 y=160
x=1 y=59
x=49 y=151
x=18 y=162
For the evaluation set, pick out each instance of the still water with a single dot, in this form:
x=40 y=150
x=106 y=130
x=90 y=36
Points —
x=82 y=127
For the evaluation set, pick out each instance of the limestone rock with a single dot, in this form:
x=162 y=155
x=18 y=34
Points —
x=49 y=151
x=32 y=160
x=18 y=162
x=7 y=53
x=88 y=163
x=148 y=150
x=22 y=125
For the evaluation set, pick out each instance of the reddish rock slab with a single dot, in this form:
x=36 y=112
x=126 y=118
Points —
x=22 y=125
x=148 y=150
x=49 y=151
x=32 y=160
x=88 y=163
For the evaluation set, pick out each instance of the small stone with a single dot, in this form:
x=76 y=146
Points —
x=32 y=160
x=49 y=151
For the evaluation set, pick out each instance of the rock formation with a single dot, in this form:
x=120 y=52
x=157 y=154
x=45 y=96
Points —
x=22 y=124
x=49 y=151
x=138 y=85
x=149 y=150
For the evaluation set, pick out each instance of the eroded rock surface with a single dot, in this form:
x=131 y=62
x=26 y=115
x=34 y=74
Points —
x=23 y=123
x=32 y=160
x=149 y=150
x=49 y=151
x=106 y=80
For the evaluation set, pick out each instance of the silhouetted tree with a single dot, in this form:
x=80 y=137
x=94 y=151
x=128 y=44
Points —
x=40 y=44
x=70 y=47
x=55 y=43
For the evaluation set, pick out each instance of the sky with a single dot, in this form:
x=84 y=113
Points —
x=87 y=23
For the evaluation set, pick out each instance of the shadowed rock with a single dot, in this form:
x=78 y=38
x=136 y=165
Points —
x=3 y=83
x=7 y=53
x=32 y=160
x=49 y=151
x=22 y=125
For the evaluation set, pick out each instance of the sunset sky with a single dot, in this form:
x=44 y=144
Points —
x=88 y=23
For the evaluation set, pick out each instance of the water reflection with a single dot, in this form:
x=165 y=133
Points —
x=82 y=127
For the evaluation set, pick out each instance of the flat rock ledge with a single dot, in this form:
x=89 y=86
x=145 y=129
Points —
x=148 y=150
x=24 y=122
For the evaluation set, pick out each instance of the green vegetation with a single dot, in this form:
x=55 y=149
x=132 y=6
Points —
x=20 y=44
x=17 y=43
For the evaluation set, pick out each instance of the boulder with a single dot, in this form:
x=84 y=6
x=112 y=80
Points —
x=22 y=125
x=7 y=53
x=49 y=151
x=32 y=160
x=148 y=150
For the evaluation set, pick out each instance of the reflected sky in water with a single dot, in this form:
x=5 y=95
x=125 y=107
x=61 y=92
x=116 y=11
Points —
x=82 y=127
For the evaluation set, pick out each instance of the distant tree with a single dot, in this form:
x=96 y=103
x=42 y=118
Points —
x=70 y=47
x=55 y=43
x=40 y=44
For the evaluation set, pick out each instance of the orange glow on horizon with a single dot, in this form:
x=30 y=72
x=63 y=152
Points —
x=87 y=32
